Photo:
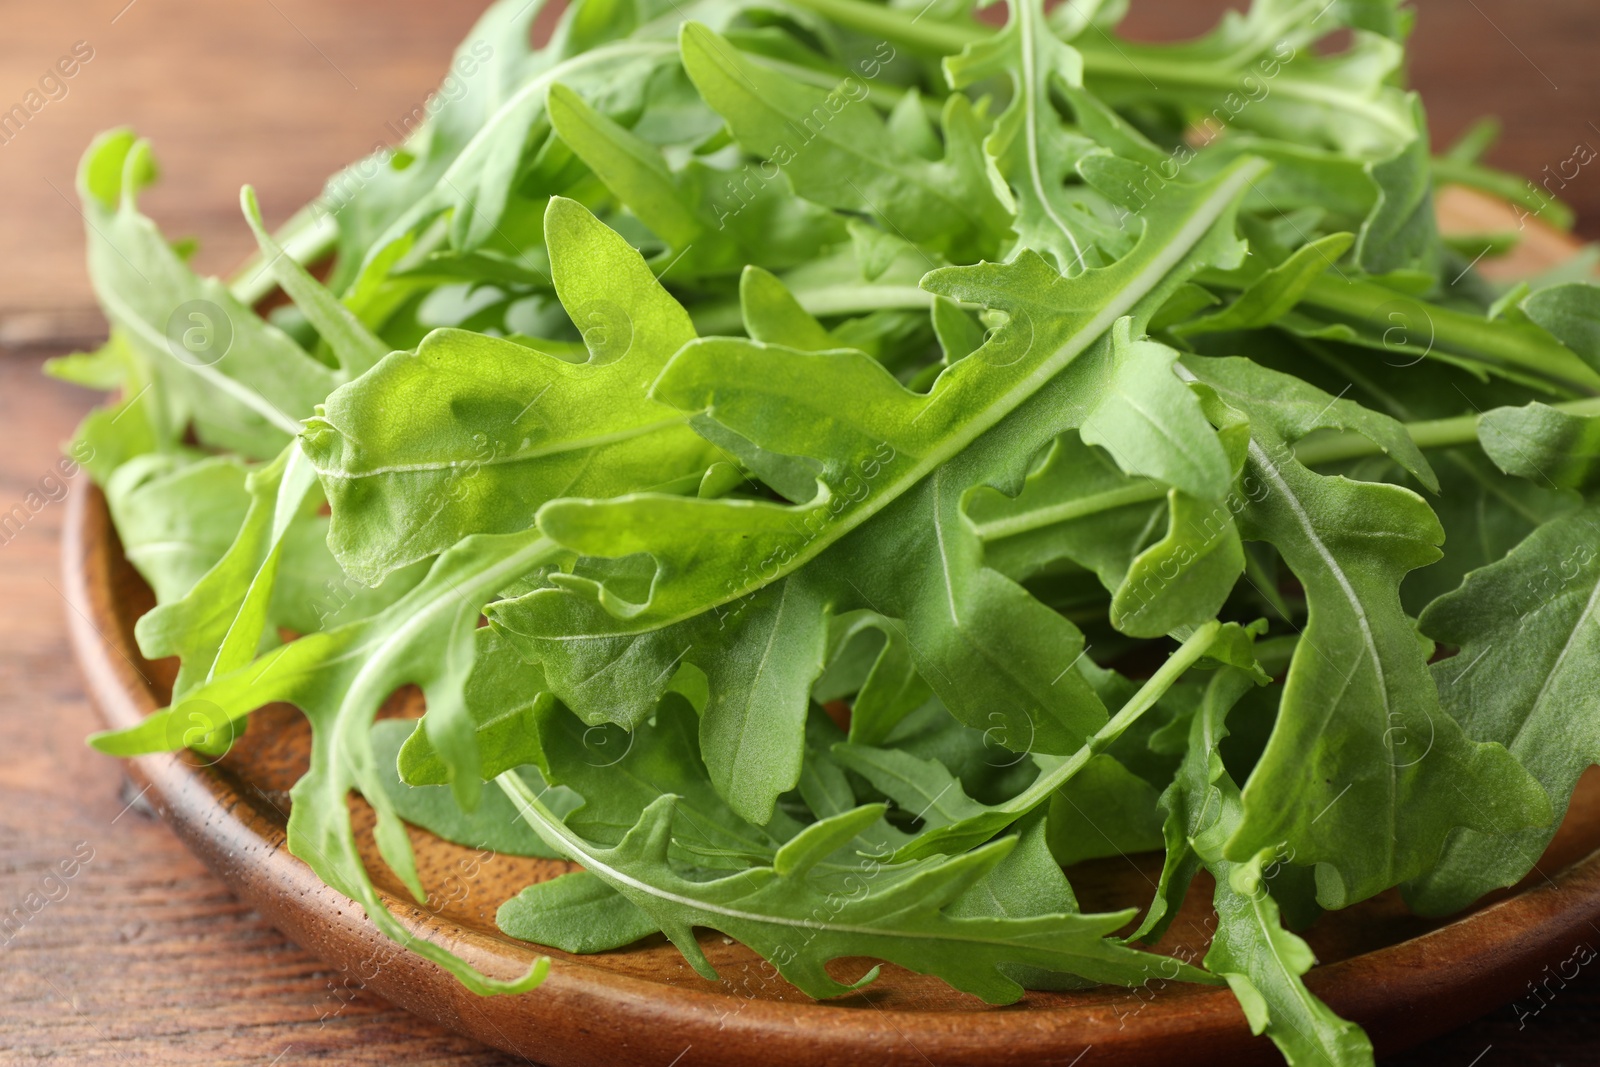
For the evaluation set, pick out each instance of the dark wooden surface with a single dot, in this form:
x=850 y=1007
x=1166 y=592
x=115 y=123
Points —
x=141 y=957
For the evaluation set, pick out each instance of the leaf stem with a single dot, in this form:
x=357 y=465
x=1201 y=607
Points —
x=1139 y=492
x=881 y=96
x=900 y=26
x=309 y=235
x=546 y=823
x=963 y=835
x=725 y=318
x=1186 y=656
x=1316 y=450
x=1504 y=346
x=1512 y=188
x=1431 y=434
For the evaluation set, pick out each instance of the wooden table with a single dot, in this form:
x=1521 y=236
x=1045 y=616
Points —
x=141 y=957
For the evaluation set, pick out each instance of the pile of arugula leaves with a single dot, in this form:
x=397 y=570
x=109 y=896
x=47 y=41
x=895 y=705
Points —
x=894 y=457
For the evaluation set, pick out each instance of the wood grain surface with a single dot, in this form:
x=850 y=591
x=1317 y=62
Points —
x=139 y=955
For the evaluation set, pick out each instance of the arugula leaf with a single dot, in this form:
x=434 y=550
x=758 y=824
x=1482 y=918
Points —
x=577 y=912
x=1078 y=509
x=1365 y=312
x=707 y=229
x=1544 y=445
x=1483 y=511
x=979 y=826
x=773 y=315
x=619 y=775
x=491 y=827
x=218 y=623
x=900 y=919
x=241 y=382
x=1524 y=677
x=1572 y=313
x=1274 y=292
x=506 y=698
x=1103 y=810
x=759 y=658
x=1261 y=960
x=176 y=514
x=366 y=198
x=1361 y=740
x=1078 y=505
x=923 y=788
x=353 y=345
x=1259 y=74
x=832 y=148
x=1027 y=882
x=109 y=437
x=495 y=429
x=1402 y=232
x=886 y=689
x=1033 y=155
x=472 y=175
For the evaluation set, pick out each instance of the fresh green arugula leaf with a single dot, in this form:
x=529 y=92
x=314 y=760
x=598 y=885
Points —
x=506 y=697
x=1033 y=154
x=1027 y=882
x=577 y=912
x=487 y=69
x=1362 y=740
x=493 y=429
x=713 y=222
x=493 y=826
x=1274 y=292
x=759 y=656
x=900 y=919
x=772 y=315
x=1103 y=810
x=1365 y=312
x=1524 y=677
x=1261 y=960
x=218 y=624
x=1078 y=505
x=176 y=514
x=923 y=788
x=473 y=178
x=1571 y=313
x=978 y=827
x=353 y=345
x=833 y=149
x=1547 y=446
x=110 y=436
x=619 y=774
x=885 y=686
x=242 y=383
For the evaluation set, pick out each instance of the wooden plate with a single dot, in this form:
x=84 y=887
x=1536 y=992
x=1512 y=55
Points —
x=1405 y=979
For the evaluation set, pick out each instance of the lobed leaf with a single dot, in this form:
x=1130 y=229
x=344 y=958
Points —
x=1527 y=632
x=1361 y=740
x=493 y=430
